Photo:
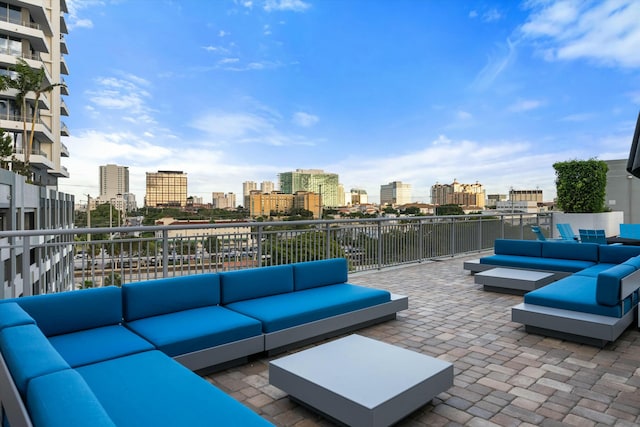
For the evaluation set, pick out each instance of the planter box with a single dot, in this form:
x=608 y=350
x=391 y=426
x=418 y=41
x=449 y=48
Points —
x=607 y=221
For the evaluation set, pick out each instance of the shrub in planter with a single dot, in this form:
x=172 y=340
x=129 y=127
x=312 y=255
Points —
x=581 y=185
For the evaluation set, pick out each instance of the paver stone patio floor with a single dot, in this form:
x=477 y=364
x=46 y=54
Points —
x=503 y=376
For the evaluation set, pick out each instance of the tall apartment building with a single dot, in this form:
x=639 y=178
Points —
x=114 y=180
x=223 y=200
x=166 y=188
x=34 y=31
x=466 y=195
x=359 y=196
x=315 y=181
x=395 y=193
x=247 y=188
x=267 y=186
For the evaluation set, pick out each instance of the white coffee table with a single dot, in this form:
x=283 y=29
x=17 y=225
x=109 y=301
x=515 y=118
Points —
x=360 y=381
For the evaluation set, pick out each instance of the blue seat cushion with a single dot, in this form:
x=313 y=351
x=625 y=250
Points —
x=616 y=254
x=609 y=284
x=634 y=262
x=312 y=274
x=570 y=251
x=575 y=293
x=64 y=399
x=552 y=264
x=530 y=248
x=98 y=344
x=255 y=283
x=287 y=310
x=151 y=389
x=11 y=314
x=28 y=354
x=65 y=312
x=162 y=296
x=192 y=330
x=594 y=270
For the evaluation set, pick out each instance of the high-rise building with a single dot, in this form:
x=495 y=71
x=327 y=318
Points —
x=247 y=188
x=114 y=180
x=467 y=195
x=267 y=186
x=312 y=180
x=395 y=193
x=33 y=32
x=223 y=200
x=359 y=196
x=166 y=188
x=277 y=203
x=525 y=195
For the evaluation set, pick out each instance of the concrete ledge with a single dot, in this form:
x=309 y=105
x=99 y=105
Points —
x=221 y=354
x=571 y=325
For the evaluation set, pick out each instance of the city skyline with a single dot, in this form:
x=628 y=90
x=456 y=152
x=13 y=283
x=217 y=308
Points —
x=418 y=92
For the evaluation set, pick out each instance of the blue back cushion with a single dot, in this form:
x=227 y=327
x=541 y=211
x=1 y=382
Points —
x=634 y=262
x=616 y=254
x=608 y=284
x=569 y=250
x=28 y=354
x=163 y=296
x=72 y=311
x=518 y=247
x=255 y=283
x=313 y=274
x=11 y=314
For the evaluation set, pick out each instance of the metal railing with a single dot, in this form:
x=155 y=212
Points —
x=44 y=261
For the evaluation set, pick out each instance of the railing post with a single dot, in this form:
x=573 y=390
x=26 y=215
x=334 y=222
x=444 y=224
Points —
x=453 y=236
x=27 y=288
x=420 y=241
x=259 y=245
x=327 y=241
x=165 y=252
x=480 y=234
x=380 y=245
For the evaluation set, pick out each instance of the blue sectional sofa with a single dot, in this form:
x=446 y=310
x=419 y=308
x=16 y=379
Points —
x=124 y=356
x=594 y=302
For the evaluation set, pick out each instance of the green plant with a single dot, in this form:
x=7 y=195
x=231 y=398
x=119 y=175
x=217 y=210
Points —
x=581 y=185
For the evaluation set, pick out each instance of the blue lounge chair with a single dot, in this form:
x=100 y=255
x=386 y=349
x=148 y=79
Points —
x=536 y=230
x=593 y=236
x=566 y=232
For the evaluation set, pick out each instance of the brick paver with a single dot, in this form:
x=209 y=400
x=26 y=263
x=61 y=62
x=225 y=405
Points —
x=503 y=375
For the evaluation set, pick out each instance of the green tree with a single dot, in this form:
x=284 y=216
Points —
x=581 y=185
x=449 y=210
x=29 y=80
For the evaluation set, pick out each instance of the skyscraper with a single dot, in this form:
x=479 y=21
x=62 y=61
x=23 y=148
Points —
x=395 y=193
x=166 y=188
x=314 y=180
x=114 y=180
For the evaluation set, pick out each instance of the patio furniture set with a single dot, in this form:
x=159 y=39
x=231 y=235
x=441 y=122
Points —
x=584 y=292
x=125 y=356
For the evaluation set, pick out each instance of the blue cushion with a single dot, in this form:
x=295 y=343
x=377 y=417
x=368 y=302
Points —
x=532 y=248
x=533 y=263
x=609 y=284
x=255 y=283
x=28 y=354
x=616 y=254
x=65 y=312
x=594 y=270
x=11 y=314
x=98 y=344
x=287 y=310
x=634 y=262
x=64 y=399
x=162 y=296
x=312 y=274
x=151 y=389
x=575 y=293
x=569 y=250
x=192 y=330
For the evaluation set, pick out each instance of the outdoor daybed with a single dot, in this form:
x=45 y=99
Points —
x=109 y=356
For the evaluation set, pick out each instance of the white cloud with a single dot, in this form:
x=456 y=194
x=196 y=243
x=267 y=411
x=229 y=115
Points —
x=496 y=65
x=525 y=105
x=464 y=115
x=304 y=119
x=473 y=14
x=579 y=117
x=218 y=49
x=290 y=5
x=606 y=32
x=491 y=16
x=223 y=33
x=121 y=94
x=228 y=60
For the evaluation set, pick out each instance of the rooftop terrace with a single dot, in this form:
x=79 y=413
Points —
x=503 y=375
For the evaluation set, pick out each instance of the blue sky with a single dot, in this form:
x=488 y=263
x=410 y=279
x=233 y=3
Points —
x=374 y=90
